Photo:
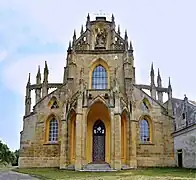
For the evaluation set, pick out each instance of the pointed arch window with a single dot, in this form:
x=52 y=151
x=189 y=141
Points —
x=145 y=106
x=53 y=130
x=54 y=105
x=144 y=131
x=99 y=78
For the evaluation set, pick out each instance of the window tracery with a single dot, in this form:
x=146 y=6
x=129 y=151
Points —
x=53 y=130
x=99 y=78
x=144 y=131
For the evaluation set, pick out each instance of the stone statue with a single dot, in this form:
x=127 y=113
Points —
x=100 y=38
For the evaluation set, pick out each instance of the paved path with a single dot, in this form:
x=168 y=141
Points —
x=10 y=175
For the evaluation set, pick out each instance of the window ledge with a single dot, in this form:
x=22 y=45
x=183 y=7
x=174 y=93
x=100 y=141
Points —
x=147 y=143
x=51 y=143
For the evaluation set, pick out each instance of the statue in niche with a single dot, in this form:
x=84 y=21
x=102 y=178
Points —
x=100 y=38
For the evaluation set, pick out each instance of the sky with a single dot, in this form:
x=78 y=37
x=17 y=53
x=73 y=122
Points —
x=31 y=32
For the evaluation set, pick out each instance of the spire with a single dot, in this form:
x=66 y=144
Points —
x=28 y=97
x=29 y=80
x=69 y=47
x=169 y=85
x=169 y=90
x=74 y=37
x=88 y=22
x=159 y=79
x=126 y=37
x=119 y=29
x=82 y=30
x=38 y=77
x=88 y=17
x=152 y=70
x=46 y=72
x=152 y=74
x=131 y=46
x=112 y=18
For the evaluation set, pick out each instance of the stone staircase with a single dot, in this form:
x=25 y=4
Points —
x=97 y=167
x=126 y=167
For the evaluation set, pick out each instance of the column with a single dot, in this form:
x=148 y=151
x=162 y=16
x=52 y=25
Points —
x=84 y=132
x=133 y=141
x=79 y=135
x=63 y=153
x=112 y=140
x=117 y=141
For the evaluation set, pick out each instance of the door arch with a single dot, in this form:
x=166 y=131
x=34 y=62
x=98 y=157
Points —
x=99 y=133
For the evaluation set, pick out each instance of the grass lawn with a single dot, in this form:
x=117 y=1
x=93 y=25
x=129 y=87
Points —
x=149 y=173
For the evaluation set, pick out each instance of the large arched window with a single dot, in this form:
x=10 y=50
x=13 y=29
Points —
x=99 y=78
x=53 y=130
x=144 y=131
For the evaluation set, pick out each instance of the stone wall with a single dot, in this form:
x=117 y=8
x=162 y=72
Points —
x=160 y=150
x=186 y=140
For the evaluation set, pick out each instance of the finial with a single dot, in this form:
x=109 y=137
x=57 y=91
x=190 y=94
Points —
x=38 y=77
x=29 y=79
x=74 y=36
x=169 y=84
x=113 y=18
x=152 y=69
x=152 y=75
x=69 y=48
x=88 y=17
x=159 y=76
x=159 y=79
x=46 y=66
x=82 y=30
x=38 y=72
x=119 y=29
x=131 y=46
x=126 y=37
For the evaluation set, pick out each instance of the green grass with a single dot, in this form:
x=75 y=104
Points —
x=148 y=173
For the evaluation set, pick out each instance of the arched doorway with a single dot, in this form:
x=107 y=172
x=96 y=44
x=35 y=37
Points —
x=98 y=116
x=98 y=142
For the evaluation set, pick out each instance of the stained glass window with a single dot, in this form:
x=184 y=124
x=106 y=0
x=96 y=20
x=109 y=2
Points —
x=53 y=130
x=99 y=78
x=144 y=131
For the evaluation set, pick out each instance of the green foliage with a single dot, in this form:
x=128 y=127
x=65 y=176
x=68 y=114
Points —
x=16 y=154
x=7 y=156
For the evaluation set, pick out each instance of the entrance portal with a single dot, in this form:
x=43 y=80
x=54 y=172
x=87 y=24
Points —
x=180 y=163
x=98 y=142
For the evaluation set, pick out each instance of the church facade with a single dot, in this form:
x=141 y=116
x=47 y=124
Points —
x=98 y=114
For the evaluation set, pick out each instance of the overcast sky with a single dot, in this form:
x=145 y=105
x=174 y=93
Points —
x=162 y=32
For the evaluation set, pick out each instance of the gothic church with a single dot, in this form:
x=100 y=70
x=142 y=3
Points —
x=98 y=114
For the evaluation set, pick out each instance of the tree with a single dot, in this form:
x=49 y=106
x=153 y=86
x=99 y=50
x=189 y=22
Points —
x=6 y=156
x=16 y=154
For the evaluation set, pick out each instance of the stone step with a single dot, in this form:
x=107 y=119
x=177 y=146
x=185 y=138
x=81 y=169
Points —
x=97 y=167
x=126 y=167
x=71 y=167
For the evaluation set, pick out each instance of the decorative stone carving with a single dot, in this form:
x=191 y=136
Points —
x=81 y=44
x=100 y=38
x=119 y=44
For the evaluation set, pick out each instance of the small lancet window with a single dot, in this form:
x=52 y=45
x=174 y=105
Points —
x=54 y=105
x=183 y=115
x=130 y=107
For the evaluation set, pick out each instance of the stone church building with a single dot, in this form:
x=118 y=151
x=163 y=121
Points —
x=98 y=116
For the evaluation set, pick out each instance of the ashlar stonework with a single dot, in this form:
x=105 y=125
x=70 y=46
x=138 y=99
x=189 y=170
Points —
x=98 y=114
